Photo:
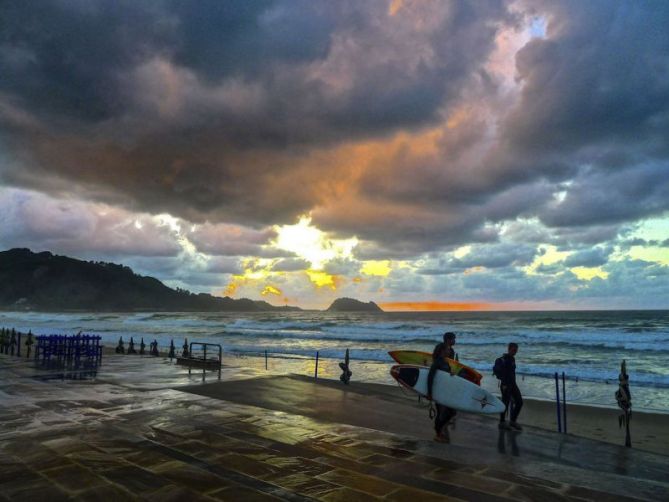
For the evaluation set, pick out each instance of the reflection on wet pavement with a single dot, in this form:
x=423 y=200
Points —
x=139 y=430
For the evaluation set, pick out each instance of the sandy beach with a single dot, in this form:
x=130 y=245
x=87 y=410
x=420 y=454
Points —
x=649 y=431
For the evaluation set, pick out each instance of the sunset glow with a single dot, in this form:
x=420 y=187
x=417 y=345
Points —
x=435 y=306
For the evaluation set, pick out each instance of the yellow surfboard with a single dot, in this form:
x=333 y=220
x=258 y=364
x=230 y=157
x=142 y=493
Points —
x=419 y=358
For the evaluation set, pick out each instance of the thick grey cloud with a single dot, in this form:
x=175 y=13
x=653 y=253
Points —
x=209 y=110
x=37 y=221
x=599 y=197
x=229 y=240
x=599 y=78
x=290 y=265
x=593 y=257
x=595 y=92
x=491 y=256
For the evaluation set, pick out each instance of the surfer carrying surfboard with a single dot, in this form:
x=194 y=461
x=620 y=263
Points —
x=505 y=371
x=449 y=341
x=443 y=414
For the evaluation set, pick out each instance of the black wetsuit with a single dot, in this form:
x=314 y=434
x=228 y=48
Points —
x=510 y=392
x=444 y=413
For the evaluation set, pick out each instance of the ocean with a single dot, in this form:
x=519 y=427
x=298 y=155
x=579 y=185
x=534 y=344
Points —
x=588 y=346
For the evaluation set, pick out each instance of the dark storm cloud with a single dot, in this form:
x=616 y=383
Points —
x=219 y=39
x=63 y=59
x=596 y=92
x=189 y=107
x=591 y=121
x=599 y=78
x=241 y=112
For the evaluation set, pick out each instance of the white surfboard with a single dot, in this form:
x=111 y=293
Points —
x=447 y=389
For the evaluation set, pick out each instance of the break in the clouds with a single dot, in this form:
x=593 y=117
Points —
x=516 y=147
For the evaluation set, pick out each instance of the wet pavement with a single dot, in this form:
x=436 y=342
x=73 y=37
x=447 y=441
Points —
x=143 y=429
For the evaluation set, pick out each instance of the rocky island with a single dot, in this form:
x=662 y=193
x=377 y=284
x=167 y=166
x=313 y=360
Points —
x=353 y=305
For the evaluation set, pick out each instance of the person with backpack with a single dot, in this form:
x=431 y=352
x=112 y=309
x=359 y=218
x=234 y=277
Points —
x=505 y=371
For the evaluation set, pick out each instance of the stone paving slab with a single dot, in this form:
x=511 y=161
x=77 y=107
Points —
x=106 y=439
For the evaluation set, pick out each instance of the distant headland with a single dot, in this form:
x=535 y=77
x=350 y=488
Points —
x=47 y=282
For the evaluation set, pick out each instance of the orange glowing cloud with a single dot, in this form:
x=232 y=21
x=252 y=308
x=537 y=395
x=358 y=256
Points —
x=435 y=306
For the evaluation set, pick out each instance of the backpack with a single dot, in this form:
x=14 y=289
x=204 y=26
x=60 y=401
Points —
x=498 y=368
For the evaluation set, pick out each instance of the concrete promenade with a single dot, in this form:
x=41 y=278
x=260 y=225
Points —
x=144 y=430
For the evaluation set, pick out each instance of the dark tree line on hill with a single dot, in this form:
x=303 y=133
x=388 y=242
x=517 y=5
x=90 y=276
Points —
x=43 y=281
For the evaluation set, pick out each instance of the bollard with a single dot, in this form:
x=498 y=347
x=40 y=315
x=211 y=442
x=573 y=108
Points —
x=171 y=354
x=131 y=347
x=624 y=399
x=346 y=372
x=120 y=349
x=316 y=370
x=564 y=405
x=12 y=342
x=185 y=353
x=204 y=363
x=557 y=401
x=29 y=343
x=142 y=347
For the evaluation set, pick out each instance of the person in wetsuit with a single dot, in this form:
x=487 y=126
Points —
x=449 y=351
x=505 y=370
x=444 y=413
x=449 y=341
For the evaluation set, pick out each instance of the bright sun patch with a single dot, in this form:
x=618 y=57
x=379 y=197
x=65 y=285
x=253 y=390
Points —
x=314 y=246
x=379 y=268
x=550 y=256
x=462 y=251
x=323 y=279
x=256 y=270
x=311 y=243
x=589 y=273
x=650 y=253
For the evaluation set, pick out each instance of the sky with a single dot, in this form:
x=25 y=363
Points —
x=437 y=155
